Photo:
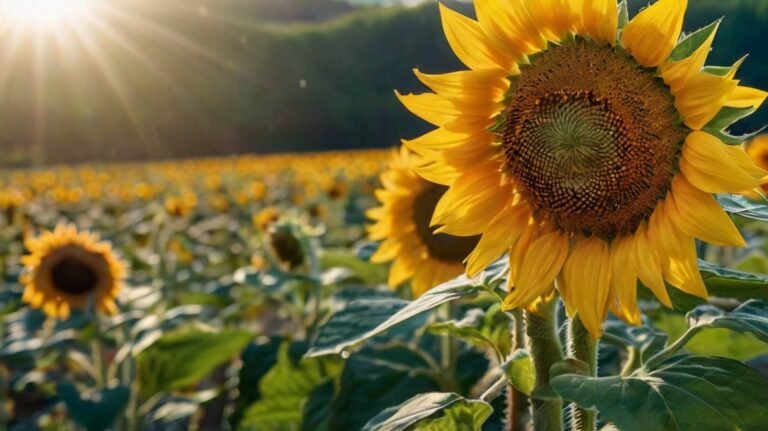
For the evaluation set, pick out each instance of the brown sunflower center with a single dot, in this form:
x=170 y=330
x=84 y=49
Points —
x=591 y=139
x=444 y=247
x=73 y=276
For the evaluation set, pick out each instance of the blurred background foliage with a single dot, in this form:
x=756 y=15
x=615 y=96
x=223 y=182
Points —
x=166 y=79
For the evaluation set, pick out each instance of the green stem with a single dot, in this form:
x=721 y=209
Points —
x=584 y=348
x=97 y=347
x=632 y=363
x=450 y=349
x=546 y=350
x=516 y=399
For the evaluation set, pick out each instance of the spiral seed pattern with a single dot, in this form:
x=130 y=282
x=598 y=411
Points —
x=591 y=139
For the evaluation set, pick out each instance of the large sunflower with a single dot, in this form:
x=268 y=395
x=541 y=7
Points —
x=588 y=146
x=67 y=269
x=403 y=223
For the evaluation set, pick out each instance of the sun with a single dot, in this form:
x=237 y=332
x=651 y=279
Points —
x=43 y=12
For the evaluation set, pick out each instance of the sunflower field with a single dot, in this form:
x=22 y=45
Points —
x=579 y=243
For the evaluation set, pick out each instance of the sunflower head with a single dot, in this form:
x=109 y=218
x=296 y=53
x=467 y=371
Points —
x=586 y=146
x=67 y=269
x=420 y=253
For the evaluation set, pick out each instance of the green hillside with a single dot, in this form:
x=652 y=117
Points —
x=192 y=80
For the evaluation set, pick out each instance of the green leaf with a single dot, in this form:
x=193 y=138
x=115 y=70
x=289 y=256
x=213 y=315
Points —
x=284 y=390
x=364 y=319
x=97 y=410
x=646 y=340
x=729 y=283
x=458 y=414
x=744 y=207
x=683 y=393
x=692 y=42
x=317 y=409
x=751 y=317
x=519 y=371
x=473 y=329
x=183 y=357
x=368 y=273
x=375 y=378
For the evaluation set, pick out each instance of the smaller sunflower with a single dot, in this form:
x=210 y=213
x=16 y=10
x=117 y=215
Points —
x=758 y=150
x=420 y=252
x=67 y=269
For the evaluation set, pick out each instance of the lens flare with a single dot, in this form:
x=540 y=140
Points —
x=43 y=12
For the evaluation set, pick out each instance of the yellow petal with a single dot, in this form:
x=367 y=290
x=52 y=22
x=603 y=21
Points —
x=600 y=20
x=648 y=265
x=624 y=279
x=697 y=214
x=509 y=25
x=402 y=269
x=677 y=74
x=703 y=96
x=555 y=18
x=652 y=35
x=678 y=254
x=746 y=97
x=710 y=167
x=469 y=42
x=503 y=231
x=541 y=264
x=469 y=86
x=745 y=162
x=587 y=274
x=430 y=107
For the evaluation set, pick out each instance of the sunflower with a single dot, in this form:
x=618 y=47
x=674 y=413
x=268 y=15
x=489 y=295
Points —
x=68 y=269
x=758 y=150
x=587 y=145
x=403 y=223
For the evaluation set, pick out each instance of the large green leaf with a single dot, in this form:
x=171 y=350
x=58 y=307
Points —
x=483 y=328
x=728 y=283
x=364 y=319
x=744 y=207
x=183 y=357
x=456 y=414
x=284 y=390
x=683 y=393
x=751 y=317
x=95 y=410
x=375 y=378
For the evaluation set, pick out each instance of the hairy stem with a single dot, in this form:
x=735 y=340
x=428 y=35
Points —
x=515 y=399
x=546 y=350
x=583 y=347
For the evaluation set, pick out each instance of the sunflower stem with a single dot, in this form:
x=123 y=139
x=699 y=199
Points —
x=582 y=346
x=546 y=350
x=515 y=398
x=449 y=349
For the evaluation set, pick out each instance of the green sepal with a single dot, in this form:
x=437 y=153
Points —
x=693 y=41
x=623 y=14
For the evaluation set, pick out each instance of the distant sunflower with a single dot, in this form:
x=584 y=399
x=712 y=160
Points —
x=402 y=223
x=66 y=269
x=584 y=147
x=758 y=150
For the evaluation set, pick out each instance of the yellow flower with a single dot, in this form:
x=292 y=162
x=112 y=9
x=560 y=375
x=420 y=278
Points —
x=758 y=150
x=264 y=218
x=583 y=149
x=181 y=205
x=67 y=269
x=402 y=223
